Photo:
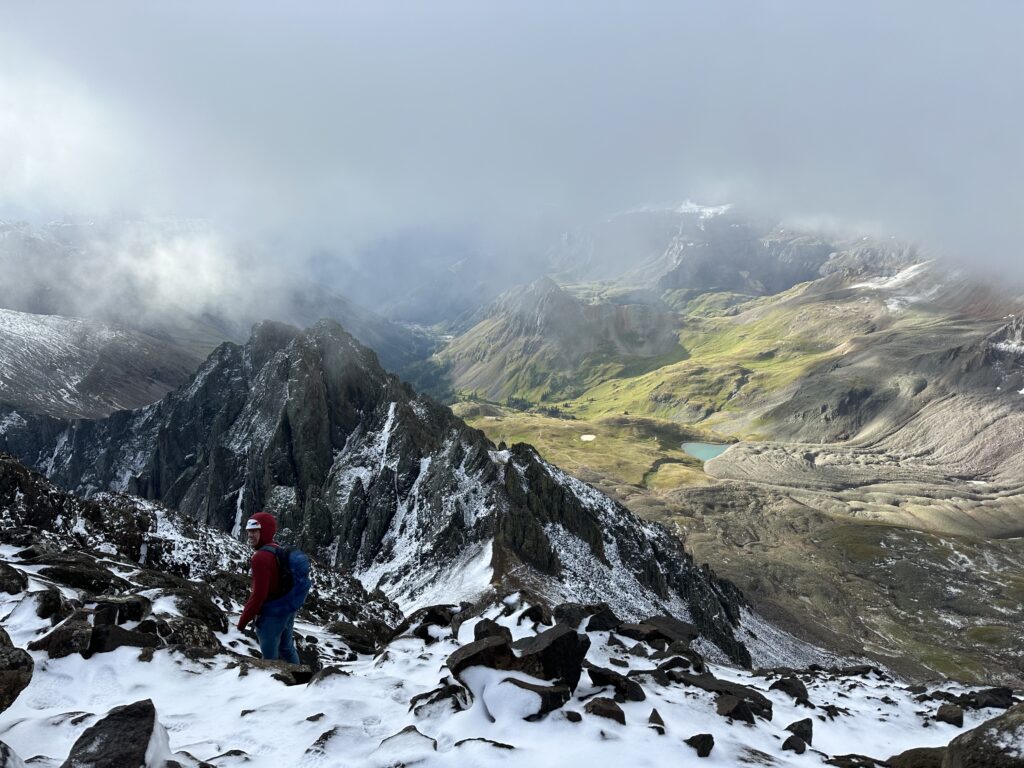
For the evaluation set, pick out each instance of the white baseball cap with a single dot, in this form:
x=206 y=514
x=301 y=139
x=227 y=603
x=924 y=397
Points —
x=253 y=525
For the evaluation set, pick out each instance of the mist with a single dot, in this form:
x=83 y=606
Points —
x=310 y=136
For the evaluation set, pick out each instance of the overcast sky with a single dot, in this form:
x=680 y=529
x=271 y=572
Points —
x=328 y=124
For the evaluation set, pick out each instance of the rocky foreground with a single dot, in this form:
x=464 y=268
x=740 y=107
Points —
x=119 y=649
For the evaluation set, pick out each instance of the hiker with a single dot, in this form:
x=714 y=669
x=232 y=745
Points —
x=273 y=628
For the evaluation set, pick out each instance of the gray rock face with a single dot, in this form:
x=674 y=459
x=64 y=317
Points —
x=371 y=477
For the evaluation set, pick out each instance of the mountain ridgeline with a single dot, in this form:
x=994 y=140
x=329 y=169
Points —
x=541 y=342
x=372 y=477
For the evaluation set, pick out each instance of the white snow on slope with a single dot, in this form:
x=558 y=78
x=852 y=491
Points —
x=48 y=363
x=343 y=719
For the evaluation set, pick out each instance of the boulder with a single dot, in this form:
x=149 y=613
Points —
x=488 y=628
x=538 y=614
x=803 y=728
x=89 y=577
x=192 y=634
x=447 y=698
x=952 y=714
x=16 y=668
x=625 y=688
x=656 y=723
x=920 y=757
x=702 y=742
x=12 y=581
x=604 y=620
x=118 y=609
x=549 y=697
x=997 y=698
x=673 y=630
x=491 y=652
x=604 y=707
x=121 y=739
x=555 y=654
x=794 y=744
x=996 y=743
x=791 y=686
x=406 y=746
x=642 y=632
x=71 y=636
x=734 y=708
x=196 y=602
x=50 y=604
x=110 y=637
x=573 y=614
x=359 y=639
x=758 y=703
x=425 y=619
x=680 y=649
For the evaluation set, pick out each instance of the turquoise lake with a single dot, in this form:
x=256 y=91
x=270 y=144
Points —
x=705 y=451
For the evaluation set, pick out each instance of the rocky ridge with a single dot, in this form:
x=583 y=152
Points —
x=162 y=679
x=371 y=477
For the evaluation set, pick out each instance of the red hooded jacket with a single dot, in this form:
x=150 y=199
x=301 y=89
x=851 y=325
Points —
x=265 y=580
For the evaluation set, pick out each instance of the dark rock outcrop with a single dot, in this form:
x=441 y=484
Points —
x=952 y=714
x=655 y=721
x=12 y=581
x=120 y=739
x=734 y=708
x=492 y=652
x=625 y=688
x=488 y=628
x=792 y=686
x=16 y=667
x=555 y=654
x=794 y=744
x=604 y=707
x=757 y=703
x=802 y=728
x=702 y=742
x=551 y=697
x=920 y=757
x=446 y=698
x=110 y=637
x=71 y=636
x=996 y=743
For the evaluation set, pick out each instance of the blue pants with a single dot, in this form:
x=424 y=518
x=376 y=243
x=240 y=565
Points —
x=275 y=634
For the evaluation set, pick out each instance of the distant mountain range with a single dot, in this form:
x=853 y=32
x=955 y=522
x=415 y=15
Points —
x=870 y=501
x=71 y=270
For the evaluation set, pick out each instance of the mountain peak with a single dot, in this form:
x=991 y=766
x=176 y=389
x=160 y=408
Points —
x=371 y=477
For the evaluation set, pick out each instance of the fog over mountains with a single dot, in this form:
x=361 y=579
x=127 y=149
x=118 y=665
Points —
x=644 y=383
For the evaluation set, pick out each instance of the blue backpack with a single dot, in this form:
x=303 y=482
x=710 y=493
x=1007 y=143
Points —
x=293 y=573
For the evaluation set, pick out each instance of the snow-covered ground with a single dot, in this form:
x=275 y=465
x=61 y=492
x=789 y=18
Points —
x=212 y=707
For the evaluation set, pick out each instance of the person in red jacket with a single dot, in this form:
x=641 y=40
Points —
x=274 y=632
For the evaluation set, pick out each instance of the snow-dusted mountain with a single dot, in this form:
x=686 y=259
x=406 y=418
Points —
x=177 y=280
x=72 y=368
x=372 y=477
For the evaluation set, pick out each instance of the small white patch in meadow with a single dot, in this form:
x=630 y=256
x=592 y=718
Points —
x=588 y=438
